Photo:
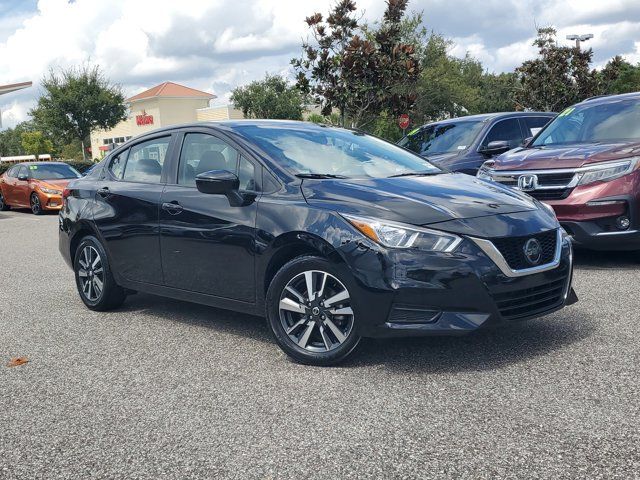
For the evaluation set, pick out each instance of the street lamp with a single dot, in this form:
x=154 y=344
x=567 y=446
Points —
x=580 y=38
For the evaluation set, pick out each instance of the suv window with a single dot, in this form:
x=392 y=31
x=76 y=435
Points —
x=201 y=153
x=505 y=130
x=534 y=125
x=145 y=161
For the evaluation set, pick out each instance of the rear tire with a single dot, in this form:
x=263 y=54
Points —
x=311 y=312
x=94 y=279
x=36 y=206
x=3 y=206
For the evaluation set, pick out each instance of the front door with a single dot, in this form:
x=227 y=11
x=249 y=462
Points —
x=20 y=191
x=207 y=244
x=128 y=202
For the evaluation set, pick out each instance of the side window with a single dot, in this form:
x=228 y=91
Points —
x=12 y=172
x=23 y=171
x=534 y=125
x=201 y=153
x=117 y=165
x=505 y=130
x=145 y=161
x=247 y=175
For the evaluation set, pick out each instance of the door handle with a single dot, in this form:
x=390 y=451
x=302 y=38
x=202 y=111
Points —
x=104 y=192
x=174 y=208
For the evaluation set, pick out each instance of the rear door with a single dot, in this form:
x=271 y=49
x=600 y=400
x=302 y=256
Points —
x=128 y=201
x=9 y=184
x=208 y=246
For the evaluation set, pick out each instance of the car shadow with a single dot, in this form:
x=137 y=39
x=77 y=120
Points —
x=488 y=349
x=596 y=260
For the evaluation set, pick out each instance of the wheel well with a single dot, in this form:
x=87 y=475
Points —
x=285 y=255
x=75 y=241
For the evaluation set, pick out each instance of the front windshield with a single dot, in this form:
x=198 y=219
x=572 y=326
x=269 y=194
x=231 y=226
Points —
x=308 y=149
x=603 y=122
x=53 y=171
x=442 y=137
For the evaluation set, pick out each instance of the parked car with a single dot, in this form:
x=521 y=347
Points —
x=586 y=165
x=463 y=144
x=35 y=185
x=333 y=234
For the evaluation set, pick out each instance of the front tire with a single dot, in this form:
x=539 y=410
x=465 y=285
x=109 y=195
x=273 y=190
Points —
x=36 y=206
x=311 y=312
x=3 y=206
x=94 y=280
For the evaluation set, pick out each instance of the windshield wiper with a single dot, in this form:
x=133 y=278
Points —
x=414 y=174
x=319 y=175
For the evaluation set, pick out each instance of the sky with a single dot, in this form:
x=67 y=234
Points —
x=216 y=45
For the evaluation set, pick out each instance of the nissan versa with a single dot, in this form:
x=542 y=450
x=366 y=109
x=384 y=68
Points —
x=333 y=234
x=586 y=165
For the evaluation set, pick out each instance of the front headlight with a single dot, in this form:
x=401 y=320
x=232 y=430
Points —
x=608 y=171
x=397 y=235
x=483 y=172
x=50 y=191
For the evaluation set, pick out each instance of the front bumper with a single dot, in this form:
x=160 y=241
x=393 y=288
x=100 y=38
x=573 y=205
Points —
x=407 y=292
x=49 y=201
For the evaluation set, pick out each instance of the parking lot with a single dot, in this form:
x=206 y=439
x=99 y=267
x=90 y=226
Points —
x=166 y=389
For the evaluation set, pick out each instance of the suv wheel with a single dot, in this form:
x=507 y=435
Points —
x=311 y=312
x=36 y=206
x=3 y=206
x=96 y=286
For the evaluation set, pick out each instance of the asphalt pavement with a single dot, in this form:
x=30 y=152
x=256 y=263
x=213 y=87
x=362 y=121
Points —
x=167 y=389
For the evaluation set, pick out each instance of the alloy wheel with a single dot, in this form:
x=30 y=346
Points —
x=35 y=204
x=315 y=311
x=91 y=273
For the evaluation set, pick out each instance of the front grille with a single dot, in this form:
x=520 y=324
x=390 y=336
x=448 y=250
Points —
x=560 y=194
x=512 y=249
x=531 y=301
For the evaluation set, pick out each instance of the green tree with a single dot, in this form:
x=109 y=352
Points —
x=619 y=76
x=11 y=139
x=272 y=97
x=77 y=101
x=35 y=143
x=558 y=78
x=359 y=70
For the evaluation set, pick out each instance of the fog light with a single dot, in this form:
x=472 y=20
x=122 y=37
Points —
x=623 y=222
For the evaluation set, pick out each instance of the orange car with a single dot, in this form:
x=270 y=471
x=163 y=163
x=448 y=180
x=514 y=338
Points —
x=35 y=185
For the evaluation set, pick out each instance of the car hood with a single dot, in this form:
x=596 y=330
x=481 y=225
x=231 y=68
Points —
x=54 y=184
x=419 y=200
x=569 y=156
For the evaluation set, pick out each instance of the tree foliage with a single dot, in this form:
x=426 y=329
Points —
x=272 y=97
x=558 y=78
x=76 y=101
x=11 y=139
x=619 y=76
x=35 y=143
x=359 y=71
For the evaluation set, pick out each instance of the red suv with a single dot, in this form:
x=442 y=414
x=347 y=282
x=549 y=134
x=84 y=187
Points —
x=586 y=165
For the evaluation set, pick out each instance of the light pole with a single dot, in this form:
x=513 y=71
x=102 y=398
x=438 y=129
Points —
x=580 y=38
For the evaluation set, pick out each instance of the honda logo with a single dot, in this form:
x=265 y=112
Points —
x=527 y=183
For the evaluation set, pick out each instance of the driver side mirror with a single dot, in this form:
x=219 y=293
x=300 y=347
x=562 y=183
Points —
x=526 y=141
x=496 y=147
x=223 y=182
x=23 y=178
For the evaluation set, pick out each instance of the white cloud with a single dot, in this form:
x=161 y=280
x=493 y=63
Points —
x=218 y=44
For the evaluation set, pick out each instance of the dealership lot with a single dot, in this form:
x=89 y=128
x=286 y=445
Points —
x=162 y=388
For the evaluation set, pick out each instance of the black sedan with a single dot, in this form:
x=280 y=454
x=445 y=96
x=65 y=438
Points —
x=334 y=235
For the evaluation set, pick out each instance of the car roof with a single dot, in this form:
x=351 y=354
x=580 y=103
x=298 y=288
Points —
x=483 y=117
x=602 y=99
x=40 y=163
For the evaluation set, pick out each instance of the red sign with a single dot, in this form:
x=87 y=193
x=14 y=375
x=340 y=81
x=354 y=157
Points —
x=403 y=121
x=144 y=119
